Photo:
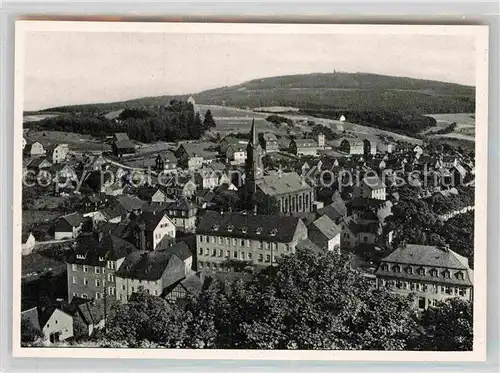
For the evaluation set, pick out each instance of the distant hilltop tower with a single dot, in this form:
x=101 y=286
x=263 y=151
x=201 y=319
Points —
x=191 y=100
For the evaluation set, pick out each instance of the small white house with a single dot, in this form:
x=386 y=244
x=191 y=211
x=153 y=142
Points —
x=28 y=243
x=55 y=324
x=342 y=118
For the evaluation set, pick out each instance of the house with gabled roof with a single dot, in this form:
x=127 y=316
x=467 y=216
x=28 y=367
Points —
x=57 y=153
x=55 y=324
x=325 y=234
x=68 y=226
x=34 y=149
x=153 y=271
x=149 y=227
x=432 y=273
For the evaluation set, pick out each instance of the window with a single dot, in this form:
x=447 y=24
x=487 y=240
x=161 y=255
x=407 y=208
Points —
x=200 y=251
x=221 y=252
x=287 y=247
x=462 y=292
x=84 y=296
x=409 y=270
x=111 y=264
x=111 y=278
x=446 y=273
x=200 y=264
x=207 y=239
x=207 y=251
x=242 y=243
x=435 y=289
x=421 y=271
x=385 y=267
x=396 y=268
x=111 y=291
x=228 y=253
x=85 y=268
x=266 y=245
x=248 y=243
x=74 y=267
x=98 y=295
x=460 y=276
x=214 y=252
x=97 y=282
x=85 y=281
x=421 y=303
x=249 y=256
x=75 y=280
x=268 y=258
x=201 y=238
x=235 y=254
x=213 y=239
x=434 y=272
x=261 y=257
x=123 y=287
x=242 y=255
x=227 y=241
x=219 y=240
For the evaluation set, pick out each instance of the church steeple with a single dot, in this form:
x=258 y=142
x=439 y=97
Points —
x=253 y=167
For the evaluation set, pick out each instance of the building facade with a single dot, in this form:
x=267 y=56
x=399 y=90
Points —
x=251 y=238
x=432 y=273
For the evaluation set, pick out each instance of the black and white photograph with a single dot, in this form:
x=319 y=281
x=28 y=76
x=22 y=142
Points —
x=258 y=191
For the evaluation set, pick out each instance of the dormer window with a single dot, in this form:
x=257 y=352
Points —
x=421 y=271
x=101 y=259
x=396 y=268
x=434 y=272
x=409 y=270
x=460 y=275
x=244 y=230
x=385 y=267
x=230 y=228
x=80 y=256
x=215 y=227
x=446 y=274
x=258 y=230
x=273 y=232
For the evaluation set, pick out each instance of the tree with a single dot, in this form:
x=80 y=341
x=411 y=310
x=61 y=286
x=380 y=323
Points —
x=307 y=301
x=267 y=205
x=148 y=318
x=29 y=333
x=209 y=120
x=446 y=327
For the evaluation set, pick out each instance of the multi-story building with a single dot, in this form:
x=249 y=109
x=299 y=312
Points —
x=58 y=153
x=91 y=265
x=148 y=229
x=257 y=239
x=181 y=212
x=166 y=163
x=33 y=149
x=351 y=146
x=432 y=273
x=153 y=270
x=370 y=187
x=269 y=142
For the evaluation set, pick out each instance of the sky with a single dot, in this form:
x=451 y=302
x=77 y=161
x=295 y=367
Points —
x=66 y=68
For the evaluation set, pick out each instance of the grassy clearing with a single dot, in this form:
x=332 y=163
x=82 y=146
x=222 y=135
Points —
x=75 y=141
x=465 y=130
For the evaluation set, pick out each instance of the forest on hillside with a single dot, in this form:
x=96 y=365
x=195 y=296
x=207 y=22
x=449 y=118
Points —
x=172 y=122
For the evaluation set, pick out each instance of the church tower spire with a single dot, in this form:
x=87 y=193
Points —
x=253 y=168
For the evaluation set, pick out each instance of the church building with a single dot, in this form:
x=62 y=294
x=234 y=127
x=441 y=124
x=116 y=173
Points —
x=292 y=192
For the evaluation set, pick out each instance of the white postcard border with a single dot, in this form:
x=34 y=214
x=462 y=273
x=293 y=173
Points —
x=480 y=226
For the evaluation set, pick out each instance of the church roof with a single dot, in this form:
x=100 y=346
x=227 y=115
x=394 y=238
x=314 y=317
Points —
x=282 y=183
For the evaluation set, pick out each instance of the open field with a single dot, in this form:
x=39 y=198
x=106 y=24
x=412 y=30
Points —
x=37 y=117
x=31 y=217
x=239 y=120
x=75 y=141
x=230 y=119
x=465 y=130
